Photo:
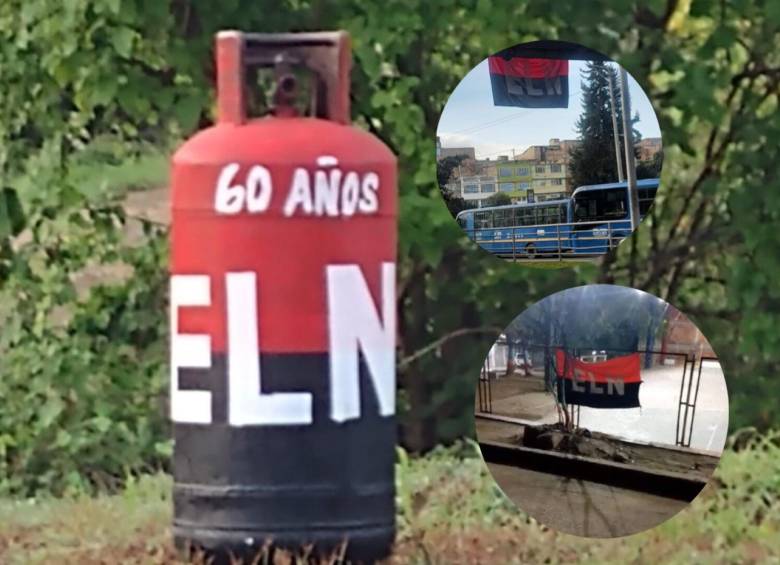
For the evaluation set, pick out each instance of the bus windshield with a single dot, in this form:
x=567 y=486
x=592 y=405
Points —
x=600 y=205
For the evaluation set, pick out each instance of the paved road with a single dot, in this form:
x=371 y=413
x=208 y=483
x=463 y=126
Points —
x=656 y=419
x=580 y=507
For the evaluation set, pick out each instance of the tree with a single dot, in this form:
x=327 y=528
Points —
x=498 y=199
x=651 y=168
x=444 y=169
x=456 y=204
x=593 y=160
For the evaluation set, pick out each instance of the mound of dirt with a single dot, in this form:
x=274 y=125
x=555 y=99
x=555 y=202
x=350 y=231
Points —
x=582 y=442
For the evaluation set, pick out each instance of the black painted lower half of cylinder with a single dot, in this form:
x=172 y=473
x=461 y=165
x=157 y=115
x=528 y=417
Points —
x=238 y=488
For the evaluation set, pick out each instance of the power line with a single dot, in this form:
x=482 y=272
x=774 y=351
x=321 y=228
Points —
x=491 y=122
x=485 y=125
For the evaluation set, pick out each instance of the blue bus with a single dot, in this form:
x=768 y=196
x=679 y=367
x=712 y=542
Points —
x=599 y=215
x=594 y=220
x=519 y=230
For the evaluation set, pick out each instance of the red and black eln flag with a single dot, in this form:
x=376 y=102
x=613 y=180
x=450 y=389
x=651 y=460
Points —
x=613 y=383
x=529 y=82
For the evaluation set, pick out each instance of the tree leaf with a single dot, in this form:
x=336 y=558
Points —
x=122 y=40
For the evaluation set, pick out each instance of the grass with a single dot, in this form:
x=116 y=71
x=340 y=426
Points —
x=106 y=167
x=449 y=511
x=551 y=264
x=147 y=170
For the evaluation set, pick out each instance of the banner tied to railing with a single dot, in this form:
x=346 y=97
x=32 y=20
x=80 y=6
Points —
x=613 y=383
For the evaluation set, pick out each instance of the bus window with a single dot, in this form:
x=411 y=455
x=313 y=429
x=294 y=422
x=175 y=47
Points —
x=646 y=197
x=601 y=205
x=644 y=206
x=483 y=220
x=517 y=216
x=503 y=218
x=462 y=221
x=528 y=217
x=549 y=215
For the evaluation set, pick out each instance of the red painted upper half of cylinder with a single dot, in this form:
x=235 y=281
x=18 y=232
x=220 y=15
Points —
x=289 y=254
x=273 y=138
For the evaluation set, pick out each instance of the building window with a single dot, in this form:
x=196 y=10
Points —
x=470 y=188
x=540 y=170
x=488 y=187
x=555 y=168
x=504 y=172
x=524 y=185
x=522 y=172
x=540 y=183
x=556 y=181
x=506 y=186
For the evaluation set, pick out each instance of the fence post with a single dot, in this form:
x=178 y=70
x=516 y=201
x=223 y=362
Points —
x=688 y=399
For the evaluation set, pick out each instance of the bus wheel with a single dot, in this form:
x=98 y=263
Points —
x=530 y=251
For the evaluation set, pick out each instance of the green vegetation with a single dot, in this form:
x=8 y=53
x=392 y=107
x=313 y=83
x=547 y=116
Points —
x=109 y=167
x=449 y=511
x=498 y=199
x=119 y=82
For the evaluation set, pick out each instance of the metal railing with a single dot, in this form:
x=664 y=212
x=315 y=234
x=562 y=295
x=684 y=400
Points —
x=690 y=382
x=687 y=405
x=484 y=393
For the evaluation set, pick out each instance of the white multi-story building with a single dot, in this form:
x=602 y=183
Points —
x=477 y=188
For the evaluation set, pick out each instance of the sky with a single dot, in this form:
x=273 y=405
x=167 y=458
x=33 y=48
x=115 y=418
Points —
x=470 y=119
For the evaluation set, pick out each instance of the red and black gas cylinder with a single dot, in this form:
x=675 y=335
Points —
x=282 y=314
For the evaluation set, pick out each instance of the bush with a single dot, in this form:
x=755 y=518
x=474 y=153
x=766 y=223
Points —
x=83 y=348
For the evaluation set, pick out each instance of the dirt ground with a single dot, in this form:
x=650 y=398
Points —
x=520 y=396
x=602 y=446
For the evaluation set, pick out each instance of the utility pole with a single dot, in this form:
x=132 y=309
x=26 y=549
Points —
x=628 y=139
x=613 y=108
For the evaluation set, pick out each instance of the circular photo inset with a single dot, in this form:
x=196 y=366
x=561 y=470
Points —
x=601 y=411
x=548 y=152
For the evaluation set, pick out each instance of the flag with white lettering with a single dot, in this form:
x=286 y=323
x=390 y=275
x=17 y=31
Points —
x=529 y=83
x=613 y=383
